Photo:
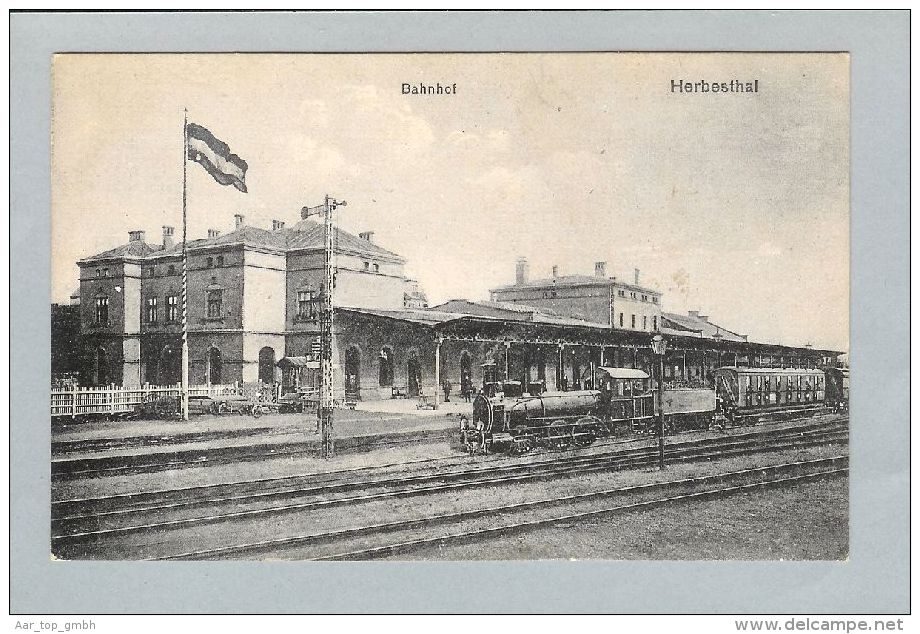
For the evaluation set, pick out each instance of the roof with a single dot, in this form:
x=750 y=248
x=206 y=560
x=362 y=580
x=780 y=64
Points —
x=306 y=234
x=133 y=249
x=413 y=315
x=672 y=323
x=623 y=373
x=511 y=311
x=575 y=280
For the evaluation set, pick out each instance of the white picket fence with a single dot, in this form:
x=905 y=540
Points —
x=114 y=399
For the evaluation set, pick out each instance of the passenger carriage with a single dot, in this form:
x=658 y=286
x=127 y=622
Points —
x=747 y=392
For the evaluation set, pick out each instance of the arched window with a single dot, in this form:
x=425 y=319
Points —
x=101 y=314
x=267 y=365
x=385 y=368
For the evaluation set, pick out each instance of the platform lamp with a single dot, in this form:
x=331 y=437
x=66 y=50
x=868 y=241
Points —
x=659 y=347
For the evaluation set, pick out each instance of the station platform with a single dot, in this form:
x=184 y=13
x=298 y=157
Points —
x=371 y=423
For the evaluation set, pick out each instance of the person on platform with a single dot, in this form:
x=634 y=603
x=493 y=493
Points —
x=447 y=388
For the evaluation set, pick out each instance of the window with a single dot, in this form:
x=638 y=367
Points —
x=105 y=272
x=367 y=266
x=172 y=269
x=149 y=271
x=102 y=311
x=306 y=305
x=644 y=322
x=654 y=300
x=621 y=320
x=215 y=299
x=376 y=268
x=98 y=272
x=655 y=322
x=633 y=322
x=172 y=308
x=151 y=314
x=645 y=298
x=632 y=294
x=621 y=293
x=210 y=262
x=220 y=260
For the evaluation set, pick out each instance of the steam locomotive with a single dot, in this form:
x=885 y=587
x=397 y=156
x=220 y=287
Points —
x=505 y=418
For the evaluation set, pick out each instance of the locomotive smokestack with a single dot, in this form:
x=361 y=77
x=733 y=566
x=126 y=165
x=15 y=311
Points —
x=600 y=269
x=523 y=271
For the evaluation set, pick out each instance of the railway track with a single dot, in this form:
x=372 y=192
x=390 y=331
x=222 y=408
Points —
x=402 y=536
x=71 y=468
x=344 y=478
x=75 y=521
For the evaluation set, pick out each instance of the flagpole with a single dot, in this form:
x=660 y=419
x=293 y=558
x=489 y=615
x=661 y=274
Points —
x=184 y=268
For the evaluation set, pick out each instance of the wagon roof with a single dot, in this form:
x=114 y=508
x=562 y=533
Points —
x=623 y=373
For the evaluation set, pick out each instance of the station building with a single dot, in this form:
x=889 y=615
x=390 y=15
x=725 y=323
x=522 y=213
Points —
x=254 y=297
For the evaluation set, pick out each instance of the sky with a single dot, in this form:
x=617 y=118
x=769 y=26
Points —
x=733 y=204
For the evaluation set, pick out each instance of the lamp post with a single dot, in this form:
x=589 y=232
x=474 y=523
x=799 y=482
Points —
x=659 y=347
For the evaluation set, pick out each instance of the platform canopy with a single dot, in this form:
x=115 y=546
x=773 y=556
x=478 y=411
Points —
x=628 y=374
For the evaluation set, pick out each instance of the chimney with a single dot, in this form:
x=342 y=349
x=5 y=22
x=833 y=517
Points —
x=367 y=235
x=239 y=220
x=694 y=313
x=636 y=275
x=600 y=269
x=136 y=236
x=277 y=224
x=704 y=318
x=523 y=271
x=555 y=270
x=167 y=236
x=213 y=233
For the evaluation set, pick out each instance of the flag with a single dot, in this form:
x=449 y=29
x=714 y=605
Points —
x=214 y=155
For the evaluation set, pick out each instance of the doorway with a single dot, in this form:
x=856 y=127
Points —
x=414 y=375
x=267 y=365
x=352 y=373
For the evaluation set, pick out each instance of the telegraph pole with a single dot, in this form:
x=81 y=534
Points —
x=327 y=342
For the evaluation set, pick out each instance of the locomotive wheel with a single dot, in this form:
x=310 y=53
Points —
x=590 y=425
x=522 y=440
x=522 y=444
x=561 y=437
